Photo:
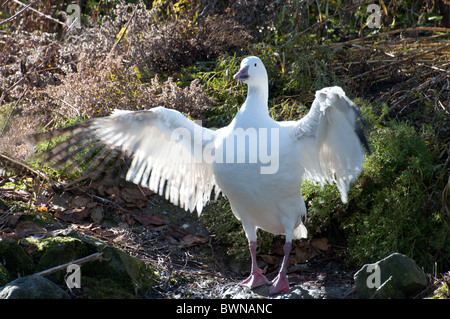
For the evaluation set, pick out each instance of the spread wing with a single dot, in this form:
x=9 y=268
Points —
x=166 y=149
x=332 y=140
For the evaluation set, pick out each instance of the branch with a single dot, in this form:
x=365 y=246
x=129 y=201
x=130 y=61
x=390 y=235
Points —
x=96 y=256
x=124 y=31
x=40 y=13
x=23 y=165
x=18 y=13
x=383 y=34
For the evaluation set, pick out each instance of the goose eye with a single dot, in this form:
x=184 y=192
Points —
x=255 y=64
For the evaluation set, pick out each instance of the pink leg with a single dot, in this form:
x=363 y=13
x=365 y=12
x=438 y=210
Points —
x=256 y=277
x=281 y=284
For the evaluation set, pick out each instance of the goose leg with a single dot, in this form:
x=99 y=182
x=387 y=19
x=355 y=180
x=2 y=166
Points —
x=281 y=284
x=256 y=277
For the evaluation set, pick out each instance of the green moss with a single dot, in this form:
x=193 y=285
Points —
x=54 y=251
x=4 y=276
x=390 y=208
x=105 y=288
x=15 y=259
x=443 y=292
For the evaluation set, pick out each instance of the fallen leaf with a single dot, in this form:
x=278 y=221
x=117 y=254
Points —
x=132 y=194
x=28 y=228
x=80 y=201
x=271 y=259
x=8 y=234
x=73 y=215
x=178 y=233
x=320 y=243
x=302 y=253
x=149 y=219
x=9 y=219
x=192 y=240
x=42 y=209
x=113 y=191
x=185 y=238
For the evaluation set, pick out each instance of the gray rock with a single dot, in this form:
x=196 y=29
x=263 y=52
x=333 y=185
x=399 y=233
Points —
x=394 y=277
x=240 y=292
x=32 y=287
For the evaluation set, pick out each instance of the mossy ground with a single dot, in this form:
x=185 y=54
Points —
x=183 y=55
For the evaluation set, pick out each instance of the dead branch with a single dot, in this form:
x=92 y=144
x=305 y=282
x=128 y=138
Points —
x=384 y=34
x=40 y=13
x=411 y=58
x=96 y=256
x=124 y=31
x=17 y=14
x=25 y=166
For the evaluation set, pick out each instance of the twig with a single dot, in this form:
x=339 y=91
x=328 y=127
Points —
x=12 y=110
x=41 y=14
x=401 y=61
x=96 y=256
x=383 y=34
x=124 y=31
x=23 y=165
x=71 y=106
x=18 y=13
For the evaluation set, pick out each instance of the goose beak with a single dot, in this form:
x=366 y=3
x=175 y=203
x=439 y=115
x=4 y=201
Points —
x=242 y=74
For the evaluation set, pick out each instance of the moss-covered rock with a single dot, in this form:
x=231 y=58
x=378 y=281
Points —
x=15 y=259
x=394 y=277
x=32 y=287
x=117 y=275
x=4 y=275
x=54 y=251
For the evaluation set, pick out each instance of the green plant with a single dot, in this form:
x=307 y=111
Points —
x=392 y=206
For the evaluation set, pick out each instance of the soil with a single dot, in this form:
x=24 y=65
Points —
x=204 y=270
x=189 y=261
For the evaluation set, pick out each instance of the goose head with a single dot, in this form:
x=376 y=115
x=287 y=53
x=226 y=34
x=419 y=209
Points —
x=253 y=73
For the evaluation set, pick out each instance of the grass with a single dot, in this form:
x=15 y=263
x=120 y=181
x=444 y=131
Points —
x=397 y=79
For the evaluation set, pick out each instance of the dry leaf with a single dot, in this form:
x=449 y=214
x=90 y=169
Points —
x=320 y=243
x=271 y=259
x=132 y=194
x=7 y=233
x=73 y=215
x=191 y=240
x=28 y=228
x=80 y=201
x=184 y=238
x=302 y=253
x=149 y=220
x=9 y=219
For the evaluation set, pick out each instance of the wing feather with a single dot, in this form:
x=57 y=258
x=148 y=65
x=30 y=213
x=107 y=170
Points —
x=332 y=140
x=165 y=148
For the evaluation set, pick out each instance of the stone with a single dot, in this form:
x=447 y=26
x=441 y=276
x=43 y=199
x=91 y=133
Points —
x=394 y=277
x=15 y=260
x=4 y=275
x=118 y=268
x=32 y=287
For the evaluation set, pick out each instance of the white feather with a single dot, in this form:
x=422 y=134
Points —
x=167 y=166
x=332 y=151
x=168 y=156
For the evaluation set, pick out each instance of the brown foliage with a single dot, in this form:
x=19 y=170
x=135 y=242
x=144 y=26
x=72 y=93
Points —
x=87 y=73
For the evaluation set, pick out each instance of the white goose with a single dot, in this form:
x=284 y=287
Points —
x=257 y=162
